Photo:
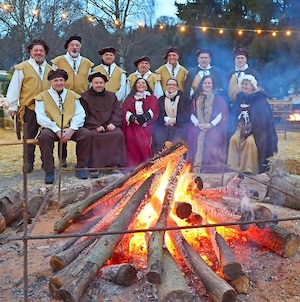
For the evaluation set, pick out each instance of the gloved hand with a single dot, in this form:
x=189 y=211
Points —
x=132 y=119
x=141 y=119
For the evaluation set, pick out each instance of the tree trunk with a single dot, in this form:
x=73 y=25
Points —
x=139 y=173
x=77 y=278
x=173 y=286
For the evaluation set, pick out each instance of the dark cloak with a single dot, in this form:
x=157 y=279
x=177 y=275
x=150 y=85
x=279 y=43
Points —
x=108 y=148
x=262 y=123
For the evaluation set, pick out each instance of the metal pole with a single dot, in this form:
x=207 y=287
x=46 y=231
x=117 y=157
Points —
x=25 y=211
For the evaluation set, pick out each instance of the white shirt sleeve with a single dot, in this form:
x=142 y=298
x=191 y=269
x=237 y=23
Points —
x=217 y=119
x=121 y=93
x=194 y=119
x=77 y=120
x=14 y=89
x=158 y=91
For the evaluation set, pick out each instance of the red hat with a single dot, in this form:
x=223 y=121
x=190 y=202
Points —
x=97 y=75
x=107 y=49
x=58 y=73
x=75 y=37
x=171 y=49
x=144 y=58
x=241 y=52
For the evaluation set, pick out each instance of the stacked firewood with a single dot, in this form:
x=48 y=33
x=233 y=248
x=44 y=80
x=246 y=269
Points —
x=81 y=260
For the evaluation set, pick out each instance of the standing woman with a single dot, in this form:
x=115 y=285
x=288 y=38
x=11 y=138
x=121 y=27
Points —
x=140 y=111
x=173 y=119
x=207 y=135
x=253 y=138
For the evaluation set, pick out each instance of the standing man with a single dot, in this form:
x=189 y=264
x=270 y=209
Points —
x=143 y=71
x=172 y=69
x=29 y=79
x=104 y=120
x=236 y=74
x=204 y=68
x=78 y=69
x=115 y=75
x=59 y=112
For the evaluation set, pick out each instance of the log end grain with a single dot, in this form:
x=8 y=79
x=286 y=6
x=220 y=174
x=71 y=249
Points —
x=126 y=275
x=232 y=271
x=154 y=274
x=241 y=284
x=291 y=245
x=56 y=263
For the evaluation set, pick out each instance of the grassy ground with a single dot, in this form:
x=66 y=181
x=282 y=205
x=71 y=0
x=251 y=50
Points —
x=11 y=159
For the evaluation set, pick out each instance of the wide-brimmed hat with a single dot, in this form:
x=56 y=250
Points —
x=58 y=73
x=97 y=75
x=141 y=59
x=75 y=37
x=107 y=49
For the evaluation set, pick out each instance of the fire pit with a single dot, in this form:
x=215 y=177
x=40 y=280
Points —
x=293 y=119
x=152 y=218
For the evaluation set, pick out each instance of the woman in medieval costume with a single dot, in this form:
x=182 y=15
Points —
x=173 y=118
x=253 y=138
x=207 y=134
x=140 y=111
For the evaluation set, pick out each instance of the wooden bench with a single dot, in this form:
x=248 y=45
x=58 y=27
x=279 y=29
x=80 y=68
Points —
x=33 y=141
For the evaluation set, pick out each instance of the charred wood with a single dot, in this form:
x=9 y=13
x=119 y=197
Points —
x=139 y=173
x=78 y=275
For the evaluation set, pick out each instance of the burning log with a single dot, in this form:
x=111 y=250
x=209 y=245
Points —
x=194 y=219
x=120 y=274
x=232 y=189
x=69 y=283
x=183 y=209
x=277 y=239
x=231 y=269
x=140 y=172
x=62 y=259
x=217 y=288
x=173 y=286
x=155 y=246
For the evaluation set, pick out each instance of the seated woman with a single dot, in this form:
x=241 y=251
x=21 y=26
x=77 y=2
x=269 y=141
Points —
x=207 y=134
x=140 y=111
x=174 y=112
x=253 y=138
x=104 y=120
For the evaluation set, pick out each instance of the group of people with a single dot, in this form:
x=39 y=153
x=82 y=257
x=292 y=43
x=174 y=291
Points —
x=120 y=120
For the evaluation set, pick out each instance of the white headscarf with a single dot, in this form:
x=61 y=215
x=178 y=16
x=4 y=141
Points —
x=250 y=78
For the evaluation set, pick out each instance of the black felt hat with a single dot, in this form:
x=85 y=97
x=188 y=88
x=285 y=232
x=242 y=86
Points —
x=107 y=49
x=241 y=52
x=171 y=49
x=143 y=58
x=58 y=73
x=97 y=75
x=75 y=37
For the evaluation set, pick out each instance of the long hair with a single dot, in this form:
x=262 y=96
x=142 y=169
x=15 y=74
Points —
x=199 y=89
x=134 y=91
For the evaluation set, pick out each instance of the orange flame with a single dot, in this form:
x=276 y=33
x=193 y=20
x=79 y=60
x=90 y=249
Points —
x=294 y=117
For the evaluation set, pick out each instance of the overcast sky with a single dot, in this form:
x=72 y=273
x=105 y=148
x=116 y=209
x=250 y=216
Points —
x=167 y=7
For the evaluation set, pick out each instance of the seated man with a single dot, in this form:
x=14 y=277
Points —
x=61 y=116
x=104 y=120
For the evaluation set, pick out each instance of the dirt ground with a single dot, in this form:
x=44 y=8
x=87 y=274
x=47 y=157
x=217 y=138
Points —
x=272 y=277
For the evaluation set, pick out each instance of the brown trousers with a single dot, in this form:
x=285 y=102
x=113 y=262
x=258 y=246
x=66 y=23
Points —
x=83 y=139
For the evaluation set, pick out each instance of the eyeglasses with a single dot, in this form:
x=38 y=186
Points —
x=171 y=84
